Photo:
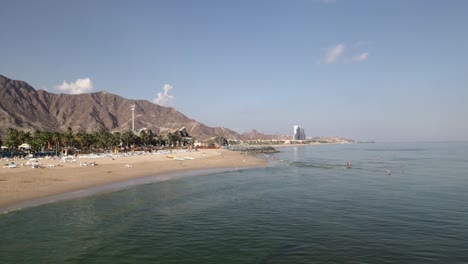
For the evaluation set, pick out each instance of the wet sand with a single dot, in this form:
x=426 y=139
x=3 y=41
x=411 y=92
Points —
x=22 y=184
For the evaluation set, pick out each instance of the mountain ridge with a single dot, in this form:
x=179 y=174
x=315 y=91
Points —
x=26 y=108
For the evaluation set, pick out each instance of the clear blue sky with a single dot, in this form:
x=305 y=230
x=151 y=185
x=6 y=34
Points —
x=367 y=70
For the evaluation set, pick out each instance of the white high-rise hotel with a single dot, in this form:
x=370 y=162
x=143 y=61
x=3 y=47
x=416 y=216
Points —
x=299 y=133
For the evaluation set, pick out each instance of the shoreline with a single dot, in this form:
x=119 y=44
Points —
x=24 y=187
x=113 y=187
x=310 y=144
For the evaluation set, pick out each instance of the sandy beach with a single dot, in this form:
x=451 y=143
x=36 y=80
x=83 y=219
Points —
x=54 y=177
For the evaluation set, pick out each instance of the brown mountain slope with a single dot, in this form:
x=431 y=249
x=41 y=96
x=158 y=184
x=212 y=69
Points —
x=23 y=107
x=255 y=135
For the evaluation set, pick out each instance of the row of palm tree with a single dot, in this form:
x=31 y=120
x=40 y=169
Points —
x=101 y=139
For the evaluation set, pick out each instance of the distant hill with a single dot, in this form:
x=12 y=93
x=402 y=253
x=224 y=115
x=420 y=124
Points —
x=334 y=140
x=255 y=135
x=23 y=107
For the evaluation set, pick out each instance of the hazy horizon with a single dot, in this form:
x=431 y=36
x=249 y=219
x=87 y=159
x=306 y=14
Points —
x=394 y=71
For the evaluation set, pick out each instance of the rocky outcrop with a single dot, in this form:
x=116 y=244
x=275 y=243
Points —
x=252 y=149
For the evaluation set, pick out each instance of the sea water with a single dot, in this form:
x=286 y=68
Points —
x=307 y=206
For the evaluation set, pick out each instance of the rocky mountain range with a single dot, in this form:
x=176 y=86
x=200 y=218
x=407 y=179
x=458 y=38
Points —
x=25 y=108
x=28 y=109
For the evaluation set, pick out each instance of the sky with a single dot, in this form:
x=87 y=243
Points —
x=366 y=70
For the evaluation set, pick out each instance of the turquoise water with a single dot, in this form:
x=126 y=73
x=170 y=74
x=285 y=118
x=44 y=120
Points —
x=308 y=207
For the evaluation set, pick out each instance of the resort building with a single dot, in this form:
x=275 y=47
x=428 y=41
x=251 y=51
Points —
x=299 y=133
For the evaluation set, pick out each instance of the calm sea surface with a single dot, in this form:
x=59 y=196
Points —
x=305 y=208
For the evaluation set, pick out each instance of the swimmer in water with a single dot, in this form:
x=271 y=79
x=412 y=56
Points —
x=349 y=164
x=389 y=172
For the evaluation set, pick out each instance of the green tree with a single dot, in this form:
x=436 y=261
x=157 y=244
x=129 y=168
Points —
x=128 y=138
x=157 y=141
x=41 y=139
x=169 y=139
x=12 y=140
x=102 y=137
x=145 y=138
x=115 y=139
x=83 y=140
x=24 y=137
x=68 y=138
x=56 y=141
x=174 y=139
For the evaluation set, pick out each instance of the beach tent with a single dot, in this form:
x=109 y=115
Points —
x=4 y=147
x=25 y=146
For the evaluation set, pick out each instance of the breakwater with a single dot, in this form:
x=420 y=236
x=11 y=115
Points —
x=253 y=149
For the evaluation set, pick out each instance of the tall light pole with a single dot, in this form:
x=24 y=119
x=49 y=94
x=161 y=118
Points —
x=132 y=107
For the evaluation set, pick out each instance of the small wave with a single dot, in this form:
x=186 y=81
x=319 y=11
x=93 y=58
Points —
x=327 y=166
x=397 y=150
x=303 y=164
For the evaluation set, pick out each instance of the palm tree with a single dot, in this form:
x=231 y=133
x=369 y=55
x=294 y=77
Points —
x=24 y=137
x=170 y=139
x=157 y=141
x=81 y=139
x=128 y=138
x=115 y=139
x=177 y=139
x=68 y=138
x=102 y=137
x=145 y=138
x=56 y=138
x=11 y=138
x=40 y=140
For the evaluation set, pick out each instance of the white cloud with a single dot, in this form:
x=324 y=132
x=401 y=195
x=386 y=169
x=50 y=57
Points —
x=164 y=98
x=77 y=87
x=334 y=53
x=361 y=57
